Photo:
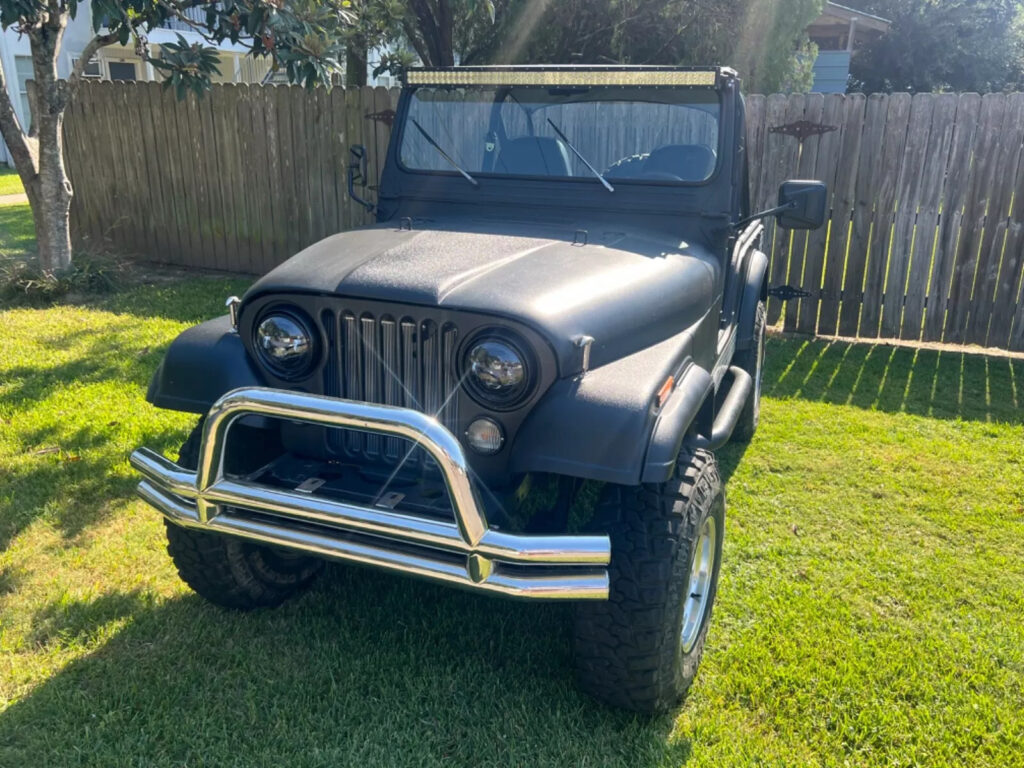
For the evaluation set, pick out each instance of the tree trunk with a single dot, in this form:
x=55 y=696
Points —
x=355 y=62
x=49 y=196
x=52 y=188
x=38 y=155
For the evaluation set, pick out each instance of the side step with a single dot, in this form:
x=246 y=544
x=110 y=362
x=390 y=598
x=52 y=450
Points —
x=729 y=414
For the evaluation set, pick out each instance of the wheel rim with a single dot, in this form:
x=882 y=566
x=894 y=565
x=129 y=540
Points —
x=698 y=587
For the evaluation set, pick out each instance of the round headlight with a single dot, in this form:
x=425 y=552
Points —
x=285 y=343
x=497 y=372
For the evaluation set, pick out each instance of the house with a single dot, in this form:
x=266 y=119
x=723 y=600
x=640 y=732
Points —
x=115 y=62
x=838 y=32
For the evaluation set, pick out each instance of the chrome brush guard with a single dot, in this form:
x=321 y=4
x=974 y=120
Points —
x=465 y=552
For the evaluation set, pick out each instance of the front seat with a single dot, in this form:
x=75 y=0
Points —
x=533 y=156
x=690 y=162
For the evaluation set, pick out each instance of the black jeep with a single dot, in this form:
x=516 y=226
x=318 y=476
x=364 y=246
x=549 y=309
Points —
x=562 y=300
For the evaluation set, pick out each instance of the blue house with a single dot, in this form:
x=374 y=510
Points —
x=839 y=32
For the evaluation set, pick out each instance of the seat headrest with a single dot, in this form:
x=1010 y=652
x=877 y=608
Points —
x=533 y=156
x=690 y=162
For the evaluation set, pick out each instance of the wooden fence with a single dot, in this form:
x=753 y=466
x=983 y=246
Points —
x=925 y=239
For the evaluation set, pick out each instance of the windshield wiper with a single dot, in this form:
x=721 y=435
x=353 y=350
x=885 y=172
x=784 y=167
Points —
x=583 y=160
x=444 y=154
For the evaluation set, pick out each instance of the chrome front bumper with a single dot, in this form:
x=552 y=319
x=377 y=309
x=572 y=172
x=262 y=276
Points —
x=465 y=552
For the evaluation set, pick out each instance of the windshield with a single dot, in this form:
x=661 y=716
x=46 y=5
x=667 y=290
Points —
x=641 y=134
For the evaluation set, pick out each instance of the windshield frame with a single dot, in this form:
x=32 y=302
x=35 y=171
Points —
x=501 y=92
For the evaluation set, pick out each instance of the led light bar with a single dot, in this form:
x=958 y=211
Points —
x=561 y=77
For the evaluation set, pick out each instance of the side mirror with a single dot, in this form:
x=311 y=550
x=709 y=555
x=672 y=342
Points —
x=357 y=174
x=802 y=204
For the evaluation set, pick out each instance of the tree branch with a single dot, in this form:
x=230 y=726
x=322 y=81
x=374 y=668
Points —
x=199 y=29
x=427 y=23
x=97 y=42
x=417 y=43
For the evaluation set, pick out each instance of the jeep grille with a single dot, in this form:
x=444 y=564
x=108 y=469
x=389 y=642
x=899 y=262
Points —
x=391 y=360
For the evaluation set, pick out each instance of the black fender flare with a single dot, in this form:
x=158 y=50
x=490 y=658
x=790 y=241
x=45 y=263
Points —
x=606 y=425
x=755 y=289
x=202 y=363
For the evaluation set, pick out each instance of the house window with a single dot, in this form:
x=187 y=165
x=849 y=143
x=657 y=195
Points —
x=92 y=69
x=122 y=70
x=23 y=68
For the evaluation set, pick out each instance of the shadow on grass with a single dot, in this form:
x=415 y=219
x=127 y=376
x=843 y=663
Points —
x=925 y=382
x=367 y=670
x=189 y=301
x=109 y=353
x=72 y=479
x=71 y=474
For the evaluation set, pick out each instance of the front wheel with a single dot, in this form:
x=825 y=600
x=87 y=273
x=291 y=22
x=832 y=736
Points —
x=231 y=572
x=640 y=650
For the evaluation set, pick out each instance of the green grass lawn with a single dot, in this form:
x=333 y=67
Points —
x=10 y=182
x=17 y=234
x=870 y=608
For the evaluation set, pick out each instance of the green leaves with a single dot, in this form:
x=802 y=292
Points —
x=302 y=37
x=963 y=45
x=188 y=66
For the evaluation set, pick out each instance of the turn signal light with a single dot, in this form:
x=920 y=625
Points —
x=666 y=390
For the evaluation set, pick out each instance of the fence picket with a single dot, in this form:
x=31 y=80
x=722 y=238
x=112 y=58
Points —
x=1015 y=242
x=754 y=108
x=843 y=200
x=825 y=168
x=893 y=144
x=933 y=182
x=868 y=165
x=908 y=198
x=983 y=172
x=781 y=158
x=990 y=256
x=954 y=198
x=814 y=107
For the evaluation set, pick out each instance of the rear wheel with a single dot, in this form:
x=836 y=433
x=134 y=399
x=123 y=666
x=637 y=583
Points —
x=640 y=650
x=232 y=572
x=752 y=361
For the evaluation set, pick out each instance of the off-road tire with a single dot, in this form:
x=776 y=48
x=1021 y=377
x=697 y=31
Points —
x=629 y=651
x=752 y=361
x=231 y=572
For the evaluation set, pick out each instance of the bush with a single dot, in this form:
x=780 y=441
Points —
x=25 y=281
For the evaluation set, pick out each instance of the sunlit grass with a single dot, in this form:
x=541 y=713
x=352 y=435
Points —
x=10 y=182
x=17 y=234
x=869 y=611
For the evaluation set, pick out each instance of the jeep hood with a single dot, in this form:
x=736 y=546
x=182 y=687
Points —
x=626 y=290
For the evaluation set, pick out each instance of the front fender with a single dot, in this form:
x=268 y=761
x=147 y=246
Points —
x=755 y=288
x=606 y=425
x=202 y=364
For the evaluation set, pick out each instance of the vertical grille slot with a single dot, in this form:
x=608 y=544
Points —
x=431 y=371
x=352 y=374
x=392 y=372
x=372 y=391
x=404 y=362
x=449 y=414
